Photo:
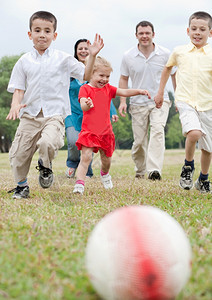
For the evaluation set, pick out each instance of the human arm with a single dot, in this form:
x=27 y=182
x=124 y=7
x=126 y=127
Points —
x=16 y=104
x=173 y=77
x=132 y=92
x=123 y=84
x=164 y=78
x=86 y=103
x=93 y=51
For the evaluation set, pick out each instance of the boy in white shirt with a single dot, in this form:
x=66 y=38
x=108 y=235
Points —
x=193 y=97
x=40 y=86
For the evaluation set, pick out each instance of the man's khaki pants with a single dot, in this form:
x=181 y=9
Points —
x=35 y=133
x=148 y=156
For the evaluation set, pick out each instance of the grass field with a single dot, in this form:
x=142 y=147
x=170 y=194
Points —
x=43 y=238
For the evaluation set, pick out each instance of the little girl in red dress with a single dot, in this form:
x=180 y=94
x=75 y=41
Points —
x=97 y=133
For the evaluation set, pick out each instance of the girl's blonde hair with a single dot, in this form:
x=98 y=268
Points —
x=101 y=61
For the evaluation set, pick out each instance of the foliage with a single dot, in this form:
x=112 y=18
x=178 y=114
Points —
x=43 y=238
x=174 y=137
x=7 y=128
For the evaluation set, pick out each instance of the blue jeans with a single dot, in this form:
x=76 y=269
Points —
x=73 y=158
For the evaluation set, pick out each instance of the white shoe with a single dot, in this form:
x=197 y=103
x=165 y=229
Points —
x=78 y=189
x=106 y=181
x=70 y=172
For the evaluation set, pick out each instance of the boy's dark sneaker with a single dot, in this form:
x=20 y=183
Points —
x=203 y=186
x=20 y=192
x=186 y=177
x=45 y=176
x=154 y=175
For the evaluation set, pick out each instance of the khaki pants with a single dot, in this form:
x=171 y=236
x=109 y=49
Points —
x=35 y=133
x=148 y=153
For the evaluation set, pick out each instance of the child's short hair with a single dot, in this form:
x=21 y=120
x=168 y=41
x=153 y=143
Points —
x=100 y=61
x=201 y=15
x=44 y=15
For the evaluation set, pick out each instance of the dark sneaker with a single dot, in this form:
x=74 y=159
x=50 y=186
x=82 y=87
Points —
x=46 y=175
x=186 y=177
x=203 y=186
x=20 y=192
x=154 y=175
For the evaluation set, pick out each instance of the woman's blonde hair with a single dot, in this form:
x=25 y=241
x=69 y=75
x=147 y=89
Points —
x=101 y=61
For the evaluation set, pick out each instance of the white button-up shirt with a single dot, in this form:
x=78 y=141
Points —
x=45 y=80
x=145 y=73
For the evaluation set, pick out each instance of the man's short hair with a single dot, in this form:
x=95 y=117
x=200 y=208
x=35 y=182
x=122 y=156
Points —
x=144 y=24
x=201 y=15
x=44 y=15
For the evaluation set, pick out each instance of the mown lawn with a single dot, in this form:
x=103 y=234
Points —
x=43 y=238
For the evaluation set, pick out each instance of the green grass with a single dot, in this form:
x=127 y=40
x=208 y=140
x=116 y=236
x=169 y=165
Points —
x=43 y=238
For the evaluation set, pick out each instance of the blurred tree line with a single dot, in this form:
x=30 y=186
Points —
x=122 y=129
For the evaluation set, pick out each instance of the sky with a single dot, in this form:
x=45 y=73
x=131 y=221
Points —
x=114 y=20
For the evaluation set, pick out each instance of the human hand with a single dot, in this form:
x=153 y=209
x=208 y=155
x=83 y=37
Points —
x=89 y=102
x=97 y=45
x=115 y=118
x=14 y=111
x=122 y=109
x=158 y=100
x=145 y=92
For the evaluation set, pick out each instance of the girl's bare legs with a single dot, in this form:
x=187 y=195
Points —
x=105 y=167
x=106 y=162
x=85 y=159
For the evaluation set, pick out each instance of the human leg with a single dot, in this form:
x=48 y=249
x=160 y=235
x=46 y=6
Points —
x=51 y=140
x=192 y=129
x=86 y=157
x=104 y=173
x=156 y=146
x=22 y=151
x=73 y=158
x=140 y=122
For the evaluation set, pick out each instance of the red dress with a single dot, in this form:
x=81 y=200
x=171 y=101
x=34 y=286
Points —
x=97 y=132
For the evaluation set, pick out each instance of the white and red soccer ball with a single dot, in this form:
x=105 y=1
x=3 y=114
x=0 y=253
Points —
x=138 y=252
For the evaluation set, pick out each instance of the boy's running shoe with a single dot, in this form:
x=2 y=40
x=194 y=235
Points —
x=78 y=189
x=20 y=192
x=46 y=175
x=186 y=177
x=70 y=172
x=106 y=181
x=203 y=186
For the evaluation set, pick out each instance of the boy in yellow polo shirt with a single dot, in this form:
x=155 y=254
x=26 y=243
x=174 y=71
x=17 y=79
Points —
x=193 y=97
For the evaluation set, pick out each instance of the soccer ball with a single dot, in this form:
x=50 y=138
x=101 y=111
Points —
x=138 y=252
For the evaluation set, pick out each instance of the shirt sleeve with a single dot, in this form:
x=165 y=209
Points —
x=124 y=68
x=172 y=61
x=77 y=69
x=17 y=79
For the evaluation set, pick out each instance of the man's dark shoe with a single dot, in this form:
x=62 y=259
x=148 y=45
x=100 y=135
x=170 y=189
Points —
x=154 y=175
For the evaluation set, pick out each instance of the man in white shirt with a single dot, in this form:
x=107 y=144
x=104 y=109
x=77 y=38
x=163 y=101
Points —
x=143 y=64
x=40 y=86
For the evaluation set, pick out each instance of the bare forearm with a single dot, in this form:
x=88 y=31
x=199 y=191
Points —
x=164 y=78
x=123 y=84
x=89 y=67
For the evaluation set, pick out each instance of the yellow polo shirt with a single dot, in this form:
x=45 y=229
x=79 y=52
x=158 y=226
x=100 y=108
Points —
x=194 y=75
